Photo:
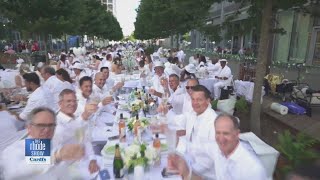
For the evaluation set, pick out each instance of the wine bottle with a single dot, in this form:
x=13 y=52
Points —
x=136 y=125
x=118 y=163
x=157 y=146
x=122 y=129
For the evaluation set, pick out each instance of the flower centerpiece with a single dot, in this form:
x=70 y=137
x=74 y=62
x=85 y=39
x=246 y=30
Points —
x=128 y=60
x=143 y=123
x=135 y=106
x=137 y=94
x=139 y=155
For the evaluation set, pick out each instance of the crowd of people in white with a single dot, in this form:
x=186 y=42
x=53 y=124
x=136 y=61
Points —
x=65 y=97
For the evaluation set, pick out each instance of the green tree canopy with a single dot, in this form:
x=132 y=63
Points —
x=161 y=18
x=96 y=21
x=58 y=17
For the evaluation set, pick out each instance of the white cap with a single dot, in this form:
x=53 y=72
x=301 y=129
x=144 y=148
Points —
x=190 y=68
x=78 y=66
x=223 y=60
x=158 y=63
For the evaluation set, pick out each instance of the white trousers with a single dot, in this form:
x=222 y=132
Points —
x=217 y=89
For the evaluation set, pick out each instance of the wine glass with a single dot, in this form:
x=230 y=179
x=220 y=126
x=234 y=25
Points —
x=94 y=99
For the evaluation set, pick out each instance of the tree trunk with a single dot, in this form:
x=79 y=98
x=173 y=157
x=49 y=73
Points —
x=178 y=39
x=65 y=43
x=261 y=67
x=45 y=39
x=171 y=41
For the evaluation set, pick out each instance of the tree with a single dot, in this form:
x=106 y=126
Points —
x=96 y=21
x=161 y=18
x=263 y=11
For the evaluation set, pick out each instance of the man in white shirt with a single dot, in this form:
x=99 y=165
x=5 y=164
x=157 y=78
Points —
x=41 y=125
x=187 y=105
x=85 y=96
x=223 y=78
x=69 y=126
x=39 y=97
x=176 y=93
x=109 y=82
x=157 y=80
x=214 y=66
x=53 y=84
x=197 y=123
x=227 y=159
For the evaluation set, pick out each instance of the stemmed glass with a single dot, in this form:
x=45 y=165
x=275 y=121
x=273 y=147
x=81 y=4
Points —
x=94 y=100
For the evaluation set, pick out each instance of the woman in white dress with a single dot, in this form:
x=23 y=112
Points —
x=23 y=69
x=95 y=63
x=63 y=63
x=116 y=66
x=64 y=76
x=148 y=62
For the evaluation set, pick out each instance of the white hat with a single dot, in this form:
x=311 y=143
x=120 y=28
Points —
x=78 y=66
x=40 y=64
x=20 y=61
x=223 y=60
x=158 y=63
x=190 y=68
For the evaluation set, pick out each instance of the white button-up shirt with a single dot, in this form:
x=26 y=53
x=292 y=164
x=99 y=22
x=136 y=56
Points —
x=67 y=132
x=15 y=167
x=38 y=98
x=176 y=100
x=187 y=105
x=242 y=164
x=55 y=86
x=199 y=128
x=224 y=72
x=157 y=84
x=109 y=84
x=103 y=93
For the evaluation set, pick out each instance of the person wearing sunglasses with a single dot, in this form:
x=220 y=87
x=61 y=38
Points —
x=40 y=125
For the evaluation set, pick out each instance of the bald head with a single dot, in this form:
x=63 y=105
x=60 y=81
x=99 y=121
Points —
x=227 y=133
x=100 y=79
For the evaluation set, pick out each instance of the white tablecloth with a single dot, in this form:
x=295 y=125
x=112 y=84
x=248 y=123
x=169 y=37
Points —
x=101 y=133
x=245 y=88
x=8 y=78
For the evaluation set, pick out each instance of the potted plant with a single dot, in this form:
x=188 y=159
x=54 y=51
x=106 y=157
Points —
x=295 y=151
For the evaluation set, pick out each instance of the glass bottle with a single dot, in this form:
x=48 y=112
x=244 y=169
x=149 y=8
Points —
x=118 y=163
x=122 y=129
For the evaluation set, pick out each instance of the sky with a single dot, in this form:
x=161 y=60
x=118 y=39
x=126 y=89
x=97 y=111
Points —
x=126 y=14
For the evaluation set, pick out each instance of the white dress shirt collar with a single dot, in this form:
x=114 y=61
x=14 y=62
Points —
x=63 y=118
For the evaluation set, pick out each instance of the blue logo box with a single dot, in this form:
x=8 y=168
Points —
x=37 y=151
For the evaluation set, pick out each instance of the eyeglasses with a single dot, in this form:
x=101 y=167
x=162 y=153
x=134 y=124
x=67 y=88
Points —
x=189 y=87
x=43 y=126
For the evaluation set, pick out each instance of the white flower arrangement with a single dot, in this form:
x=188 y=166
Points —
x=144 y=122
x=136 y=105
x=139 y=154
x=128 y=60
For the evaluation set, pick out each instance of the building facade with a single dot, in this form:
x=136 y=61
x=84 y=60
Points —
x=110 y=5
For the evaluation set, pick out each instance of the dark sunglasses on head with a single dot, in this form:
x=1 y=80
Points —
x=189 y=87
